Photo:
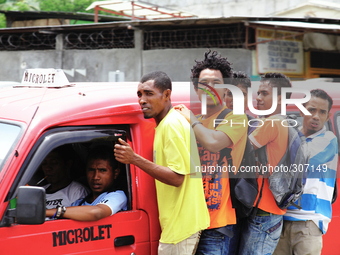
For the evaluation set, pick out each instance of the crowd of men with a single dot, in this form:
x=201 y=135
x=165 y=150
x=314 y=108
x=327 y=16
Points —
x=271 y=230
x=195 y=208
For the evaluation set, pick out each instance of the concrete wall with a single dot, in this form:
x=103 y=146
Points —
x=79 y=65
x=177 y=63
x=95 y=65
x=14 y=63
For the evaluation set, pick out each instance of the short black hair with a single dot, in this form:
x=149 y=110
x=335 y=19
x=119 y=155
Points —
x=65 y=151
x=241 y=78
x=322 y=94
x=161 y=79
x=277 y=80
x=103 y=152
x=214 y=61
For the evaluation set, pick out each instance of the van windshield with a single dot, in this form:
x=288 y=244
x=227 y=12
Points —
x=9 y=135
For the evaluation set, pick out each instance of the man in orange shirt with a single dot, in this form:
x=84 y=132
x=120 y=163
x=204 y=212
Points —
x=261 y=233
x=215 y=168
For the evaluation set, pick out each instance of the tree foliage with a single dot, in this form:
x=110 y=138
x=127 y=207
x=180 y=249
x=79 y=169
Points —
x=19 y=5
x=46 y=5
x=65 y=5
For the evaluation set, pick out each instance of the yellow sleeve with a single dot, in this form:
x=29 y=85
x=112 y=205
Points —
x=235 y=128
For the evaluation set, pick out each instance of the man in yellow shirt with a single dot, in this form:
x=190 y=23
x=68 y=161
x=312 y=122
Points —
x=221 y=151
x=182 y=208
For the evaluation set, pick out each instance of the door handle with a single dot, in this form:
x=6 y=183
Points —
x=124 y=240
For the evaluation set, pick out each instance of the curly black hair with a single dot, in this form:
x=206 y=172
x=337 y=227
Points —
x=277 y=80
x=211 y=61
x=241 y=78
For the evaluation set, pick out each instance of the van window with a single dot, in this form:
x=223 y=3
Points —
x=9 y=136
x=337 y=127
x=81 y=140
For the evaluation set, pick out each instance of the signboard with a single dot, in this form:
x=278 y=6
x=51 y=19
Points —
x=51 y=78
x=279 y=55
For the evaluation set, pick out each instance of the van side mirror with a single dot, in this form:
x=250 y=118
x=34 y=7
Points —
x=31 y=205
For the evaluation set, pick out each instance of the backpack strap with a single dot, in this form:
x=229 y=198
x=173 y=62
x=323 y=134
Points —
x=221 y=116
x=225 y=151
x=253 y=214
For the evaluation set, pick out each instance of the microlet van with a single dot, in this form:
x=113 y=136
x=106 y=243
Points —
x=45 y=111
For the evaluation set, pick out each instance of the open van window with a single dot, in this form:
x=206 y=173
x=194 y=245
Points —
x=81 y=140
x=9 y=136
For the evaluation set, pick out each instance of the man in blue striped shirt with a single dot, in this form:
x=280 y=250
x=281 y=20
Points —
x=303 y=229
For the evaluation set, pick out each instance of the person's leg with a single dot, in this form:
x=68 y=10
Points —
x=165 y=248
x=307 y=238
x=185 y=247
x=213 y=242
x=235 y=240
x=284 y=247
x=260 y=235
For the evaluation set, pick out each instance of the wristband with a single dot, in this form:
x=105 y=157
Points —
x=195 y=123
x=63 y=210
x=59 y=208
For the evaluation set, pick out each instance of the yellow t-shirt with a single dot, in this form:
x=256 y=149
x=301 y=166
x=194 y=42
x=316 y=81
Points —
x=217 y=192
x=182 y=210
x=273 y=134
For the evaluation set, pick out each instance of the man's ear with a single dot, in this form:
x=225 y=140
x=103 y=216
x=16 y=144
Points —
x=279 y=99
x=329 y=115
x=167 y=94
x=116 y=173
x=301 y=113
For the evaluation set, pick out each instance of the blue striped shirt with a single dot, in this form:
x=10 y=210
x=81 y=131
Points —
x=318 y=191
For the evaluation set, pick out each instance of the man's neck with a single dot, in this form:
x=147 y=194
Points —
x=211 y=110
x=162 y=115
x=92 y=198
x=276 y=112
x=54 y=187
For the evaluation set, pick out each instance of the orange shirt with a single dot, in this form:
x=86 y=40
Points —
x=217 y=191
x=273 y=134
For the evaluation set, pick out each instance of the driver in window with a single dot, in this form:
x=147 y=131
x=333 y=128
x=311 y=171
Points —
x=61 y=190
x=107 y=190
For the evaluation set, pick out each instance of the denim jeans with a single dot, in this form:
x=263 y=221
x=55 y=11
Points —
x=213 y=242
x=260 y=235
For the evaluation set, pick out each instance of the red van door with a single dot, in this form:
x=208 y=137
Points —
x=126 y=232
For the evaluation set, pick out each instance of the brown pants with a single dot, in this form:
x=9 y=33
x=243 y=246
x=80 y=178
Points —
x=186 y=247
x=299 y=238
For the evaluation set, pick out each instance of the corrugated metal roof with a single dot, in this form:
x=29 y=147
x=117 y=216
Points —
x=296 y=24
x=31 y=15
x=139 y=9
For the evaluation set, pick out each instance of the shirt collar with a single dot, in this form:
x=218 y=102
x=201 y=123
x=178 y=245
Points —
x=322 y=130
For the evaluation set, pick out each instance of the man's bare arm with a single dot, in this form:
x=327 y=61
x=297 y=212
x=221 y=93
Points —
x=83 y=213
x=212 y=140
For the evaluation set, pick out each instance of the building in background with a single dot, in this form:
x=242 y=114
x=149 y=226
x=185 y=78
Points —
x=122 y=50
